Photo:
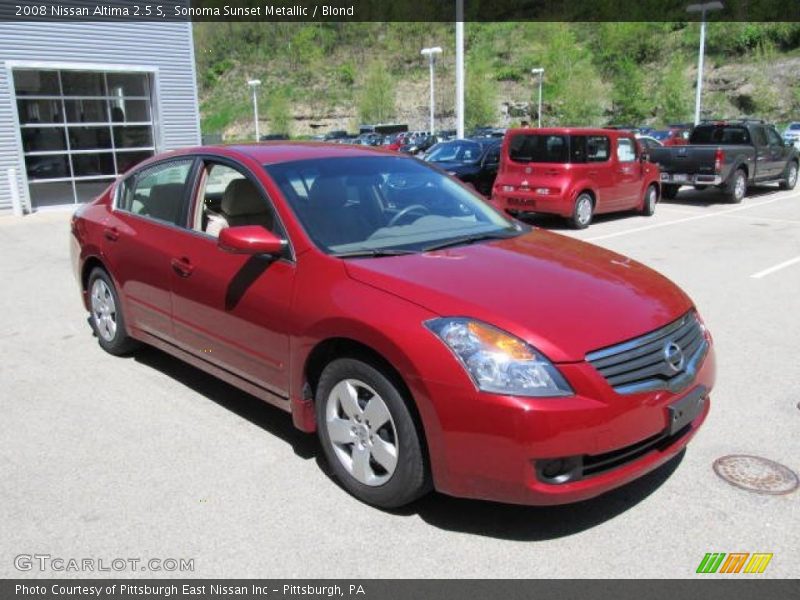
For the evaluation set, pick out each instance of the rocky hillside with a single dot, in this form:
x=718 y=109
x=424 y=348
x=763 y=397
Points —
x=317 y=77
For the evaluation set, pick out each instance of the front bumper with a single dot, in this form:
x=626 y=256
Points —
x=495 y=450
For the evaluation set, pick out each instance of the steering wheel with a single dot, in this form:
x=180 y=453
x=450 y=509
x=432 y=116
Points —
x=418 y=208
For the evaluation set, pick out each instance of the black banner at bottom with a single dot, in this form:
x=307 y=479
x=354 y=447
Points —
x=397 y=589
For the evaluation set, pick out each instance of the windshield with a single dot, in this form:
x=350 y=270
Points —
x=795 y=126
x=468 y=152
x=661 y=135
x=382 y=203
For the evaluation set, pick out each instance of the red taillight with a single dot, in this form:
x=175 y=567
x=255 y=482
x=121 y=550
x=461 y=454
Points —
x=719 y=158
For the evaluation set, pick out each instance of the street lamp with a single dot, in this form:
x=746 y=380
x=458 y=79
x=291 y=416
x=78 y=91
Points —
x=702 y=9
x=431 y=54
x=254 y=83
x=540 y=72
x=460 y=68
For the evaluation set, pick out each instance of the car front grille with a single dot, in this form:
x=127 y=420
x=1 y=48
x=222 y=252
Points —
x=667 y=358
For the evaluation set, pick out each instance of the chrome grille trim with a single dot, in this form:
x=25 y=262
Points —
x=639 y=365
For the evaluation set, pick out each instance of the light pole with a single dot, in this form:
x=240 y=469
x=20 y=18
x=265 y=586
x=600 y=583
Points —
x=254 y=83
x=540 y=72
x=459 y=69
x=702 y=9
x=431 y=54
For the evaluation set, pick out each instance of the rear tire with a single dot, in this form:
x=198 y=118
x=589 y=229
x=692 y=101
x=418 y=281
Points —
x=380 y=463
x=650 y=200
x=789 y=176
x=736 y=187
x=582 y=212
x=669 y=191
x=106 y=315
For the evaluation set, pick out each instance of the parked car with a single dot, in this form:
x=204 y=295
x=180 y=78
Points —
x=646 y=142
x=429 y=340
x=475 y=162
x=575 y=173
x=271 y=137
x=400 y=140
x=792 y=134
x=369 y=139
x=672 y=136
x=729 y=155
x=418 y=144
x=336 y=134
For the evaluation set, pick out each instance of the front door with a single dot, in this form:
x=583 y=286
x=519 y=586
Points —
x=140 y=240
x=229 y=309
x=628 y=174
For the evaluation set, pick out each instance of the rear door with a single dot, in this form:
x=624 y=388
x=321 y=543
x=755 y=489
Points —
x=777 y=153
x=491 y=162
x=140 y=240
x=764 y=161
x=600 y=170
x=231 y=309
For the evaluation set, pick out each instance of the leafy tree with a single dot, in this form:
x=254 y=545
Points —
x=377 y=100
x=480 y=96
x=674 y=94
x=629 y=102
x=279 y=112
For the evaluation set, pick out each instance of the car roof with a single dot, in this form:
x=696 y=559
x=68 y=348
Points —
x=285 y=151
x=565 y=131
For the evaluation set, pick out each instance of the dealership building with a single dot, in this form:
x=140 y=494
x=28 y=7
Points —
x=81 y=102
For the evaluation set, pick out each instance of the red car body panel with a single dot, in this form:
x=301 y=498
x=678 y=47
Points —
x=564 y=297
x=614 y=185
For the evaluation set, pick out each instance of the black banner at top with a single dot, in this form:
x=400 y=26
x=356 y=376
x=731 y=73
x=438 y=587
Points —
x=399 y=10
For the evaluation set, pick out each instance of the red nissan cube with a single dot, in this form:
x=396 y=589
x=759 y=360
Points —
x=429 y=340
x=574 y=173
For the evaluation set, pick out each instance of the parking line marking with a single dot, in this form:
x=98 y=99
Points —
x=687 y=219
x=778 y=267
x=756 y=218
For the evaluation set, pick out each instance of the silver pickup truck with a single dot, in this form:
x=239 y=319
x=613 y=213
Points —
x=730 y=155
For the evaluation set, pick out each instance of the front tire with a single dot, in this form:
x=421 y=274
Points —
x=736 y=188
x=650 y=200
x=582 y=211
x=106 y=315
x=789 y=176
x=369 y=435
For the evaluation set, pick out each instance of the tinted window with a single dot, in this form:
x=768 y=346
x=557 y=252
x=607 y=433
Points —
x=455 y=151
x=158 y=191
x=626 y=151
x=382 y=203
x=493 y=156
x=774 y=138
x=539 y=148
x=719 y=134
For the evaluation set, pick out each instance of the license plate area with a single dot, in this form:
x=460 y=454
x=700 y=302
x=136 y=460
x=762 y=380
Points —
x=686 y=410
x=520 y=202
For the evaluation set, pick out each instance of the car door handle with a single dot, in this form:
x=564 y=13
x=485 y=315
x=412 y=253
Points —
x=111 y=234
x=182 y=266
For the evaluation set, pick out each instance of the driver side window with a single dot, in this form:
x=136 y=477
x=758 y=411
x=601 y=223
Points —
x=228 y=198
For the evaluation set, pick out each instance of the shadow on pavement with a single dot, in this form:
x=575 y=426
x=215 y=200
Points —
x=503 y=521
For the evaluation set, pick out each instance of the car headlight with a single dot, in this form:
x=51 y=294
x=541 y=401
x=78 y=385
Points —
x=499 y=362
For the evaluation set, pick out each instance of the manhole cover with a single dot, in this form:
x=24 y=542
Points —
x=756 y=474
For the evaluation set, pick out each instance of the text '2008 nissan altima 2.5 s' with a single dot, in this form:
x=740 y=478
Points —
x=428 y=339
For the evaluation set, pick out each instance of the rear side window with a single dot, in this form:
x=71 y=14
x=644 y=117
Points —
x=592 y=148
x=626 y=150
x=158 y=192
x=539 y=148
x=719 y=134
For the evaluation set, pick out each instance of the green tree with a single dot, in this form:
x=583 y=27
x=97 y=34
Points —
x=629 y=102
x=480 y=96
x=376 y=103
x=674 y=94
x=279 y=112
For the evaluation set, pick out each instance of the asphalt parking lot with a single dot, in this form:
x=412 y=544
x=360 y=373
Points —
x=146 y=457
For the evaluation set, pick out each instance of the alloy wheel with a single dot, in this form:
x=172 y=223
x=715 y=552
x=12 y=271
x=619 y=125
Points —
x=584 y=210
x=362 y=432
x=104 y=310
x=740 y=187
x=792 y=178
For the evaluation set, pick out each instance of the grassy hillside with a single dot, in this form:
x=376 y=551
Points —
x=317 y=77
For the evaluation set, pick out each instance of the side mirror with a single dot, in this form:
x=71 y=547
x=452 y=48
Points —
x=644 y=156
x=250 y=239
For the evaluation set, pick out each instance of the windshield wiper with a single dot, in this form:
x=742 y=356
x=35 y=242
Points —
x=374 y=253
x=471 y=239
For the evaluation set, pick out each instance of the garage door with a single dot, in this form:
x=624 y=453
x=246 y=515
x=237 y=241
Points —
x=79 y=129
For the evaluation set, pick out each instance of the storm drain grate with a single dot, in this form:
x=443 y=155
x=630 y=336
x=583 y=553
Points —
x=756 y=474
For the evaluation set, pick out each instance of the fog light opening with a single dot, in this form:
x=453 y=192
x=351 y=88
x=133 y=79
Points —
x=559 y=470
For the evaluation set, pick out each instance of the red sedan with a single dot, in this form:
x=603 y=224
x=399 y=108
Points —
x=428 y=339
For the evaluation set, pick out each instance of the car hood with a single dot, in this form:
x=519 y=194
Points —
x=564 y=296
